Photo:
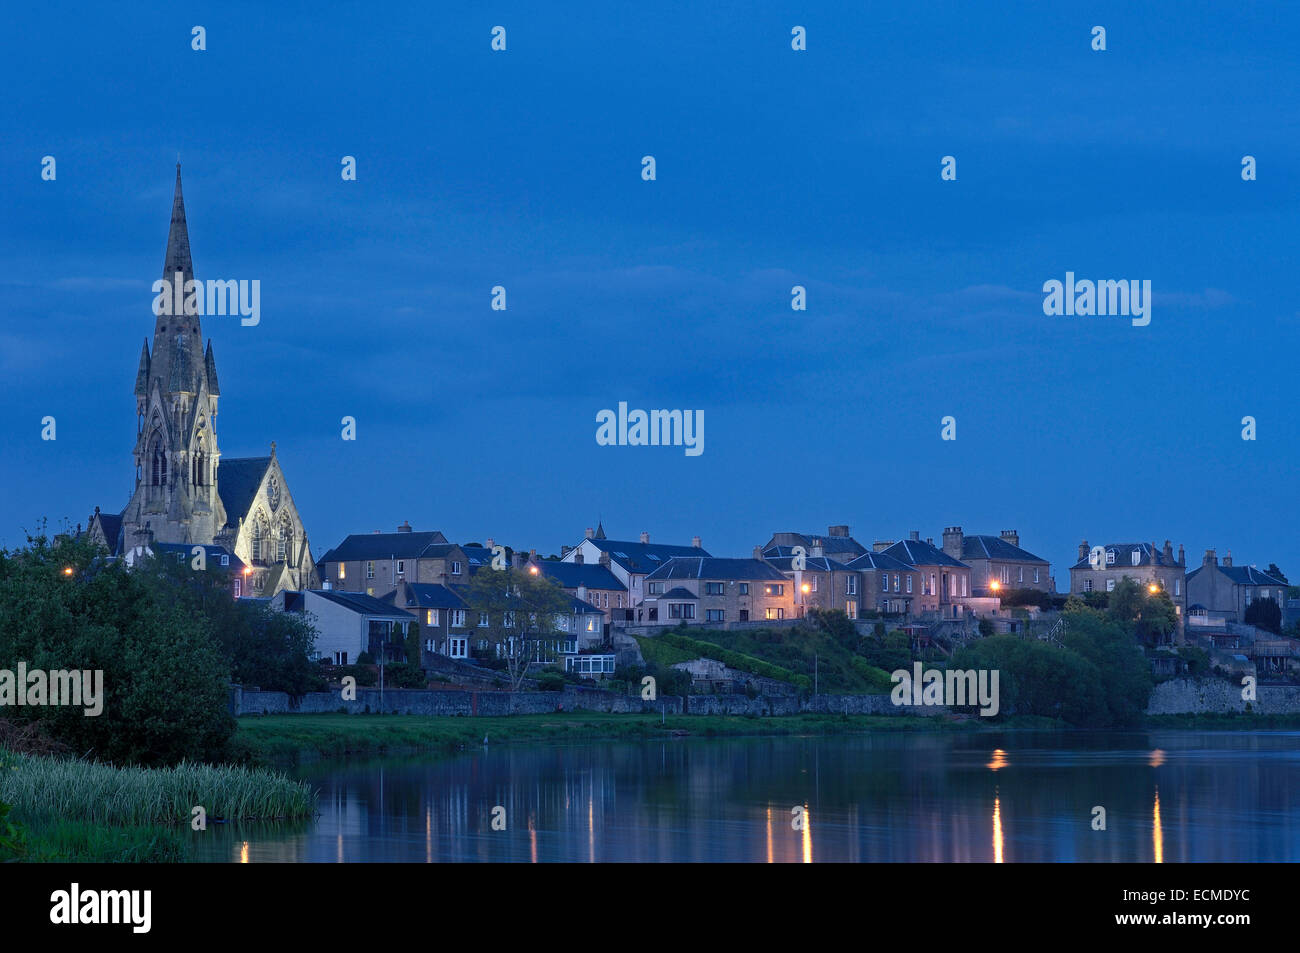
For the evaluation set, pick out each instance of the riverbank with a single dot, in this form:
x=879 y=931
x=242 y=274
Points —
x=273 y=739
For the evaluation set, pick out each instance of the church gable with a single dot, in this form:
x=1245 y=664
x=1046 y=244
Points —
x=264 y=524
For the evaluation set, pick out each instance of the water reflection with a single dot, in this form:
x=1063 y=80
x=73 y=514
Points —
x=897 y=797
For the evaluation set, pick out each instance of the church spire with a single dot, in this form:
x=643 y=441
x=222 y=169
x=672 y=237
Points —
x=142 y=375
x=178 y=238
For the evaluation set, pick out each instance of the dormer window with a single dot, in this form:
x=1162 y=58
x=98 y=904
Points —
x=1137 y=557
x=1110 y=557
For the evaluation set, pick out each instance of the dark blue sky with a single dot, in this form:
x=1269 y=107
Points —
x=775 y=168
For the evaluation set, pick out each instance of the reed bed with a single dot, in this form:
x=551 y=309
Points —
x=69 y=789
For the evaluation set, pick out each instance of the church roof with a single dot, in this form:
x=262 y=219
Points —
x=237 y=481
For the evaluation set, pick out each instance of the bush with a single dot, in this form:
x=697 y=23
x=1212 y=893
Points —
x=404 y=675
x=550 y=682
x=365 y=658
x=366 y=676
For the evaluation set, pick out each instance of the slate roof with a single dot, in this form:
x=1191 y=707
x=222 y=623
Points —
x=363 y=604
x=367 y=546
x=813 y=563
x=583 y=607
x=572 y=575
x=915 y=552
x=1242 y=576
x=428 y=595
x=842 y=547
x=870 y=562
x=111 y=524
x=995 y=547
x=710 y=567
x=237 y=481
x=1124 y=558
x=679 y=592
x=478 y=557
x=211 y=553
x=643 y=557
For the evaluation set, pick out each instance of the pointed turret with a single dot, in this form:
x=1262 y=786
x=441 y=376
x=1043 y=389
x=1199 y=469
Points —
x=142 y=375
x=600 y=530
x=210 y=368
x=177 y=360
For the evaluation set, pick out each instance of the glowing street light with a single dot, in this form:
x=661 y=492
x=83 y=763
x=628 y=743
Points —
x=807 y=588
x=995 y=585
x=67 y=570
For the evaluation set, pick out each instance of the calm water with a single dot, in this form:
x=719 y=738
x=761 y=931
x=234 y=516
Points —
x=1169 y=796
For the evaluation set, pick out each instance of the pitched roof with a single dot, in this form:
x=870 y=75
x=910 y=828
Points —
x=1147 y=556
x=1242 y=575
x=111 y=524
x=211 y=553
x=869 y=562
x=710 y=567
x=363 y=604
x=643 y=557
x=679 y=592
x=843 y=548
x=573 y=575
x=813 y=563
x=581 y=606
x=914 y=552
x=478 y=557
x=237 y=481
x=367 y=546
x=428 y=595
x=995 y=547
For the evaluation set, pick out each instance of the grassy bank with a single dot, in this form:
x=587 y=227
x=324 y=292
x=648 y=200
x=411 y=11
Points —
x=270 y=739
x=69 y=810
x=1223 y=722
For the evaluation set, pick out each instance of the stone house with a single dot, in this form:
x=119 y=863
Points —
x=998 y=563
x=349 y=623
x=944 y=579
x=1100 y=568
x=630 y=562
x=1225 y=591
x=888 y=585
x=823 y=583
x=374 y=563
x=715 y=591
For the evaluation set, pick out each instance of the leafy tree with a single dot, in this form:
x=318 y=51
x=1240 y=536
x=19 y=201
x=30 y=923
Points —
x=63 y=606
x=1277 y=574
x=521 y=609
x=1266 y=614
x=1158 y=619
x=1113 y=649
x=986 y=627
x=1039 y=679
x=413 y=644
x=1126 y=600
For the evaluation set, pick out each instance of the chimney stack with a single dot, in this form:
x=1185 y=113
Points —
x=604 y=558
x=582 y=592
x=929 y=540
x=817 y=549
x=1182 y=558
x=914 y=535
x=1083 y=550
x=1227 y=559
x=1012 y=536
x=1210 y=559
x=837 y=530
x=1169 y=551
x=490 y=543
x=952 y=541
x=880 y=545
x=758 y=552
x=405 y=527
x=696 y=542
x=645 y=538
x=580 y=559
x=591 y=531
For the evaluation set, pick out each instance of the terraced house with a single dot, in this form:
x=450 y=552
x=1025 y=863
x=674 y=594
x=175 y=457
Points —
x=630 y=562
x=888 y=584
x=997 y=563
x=717 y=591
x=823 y=583
x=944 y=579
x=374 y=563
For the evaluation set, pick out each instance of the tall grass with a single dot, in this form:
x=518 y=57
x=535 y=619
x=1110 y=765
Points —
x=71 y=790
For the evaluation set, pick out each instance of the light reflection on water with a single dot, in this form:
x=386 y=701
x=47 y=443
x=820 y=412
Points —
x=985 y=797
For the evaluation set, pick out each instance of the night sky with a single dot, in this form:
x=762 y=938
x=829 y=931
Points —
x=775 y=168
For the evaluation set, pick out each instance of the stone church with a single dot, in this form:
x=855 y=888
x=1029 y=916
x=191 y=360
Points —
x=185 y=493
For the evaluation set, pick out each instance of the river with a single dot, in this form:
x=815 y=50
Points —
x=1167 y=796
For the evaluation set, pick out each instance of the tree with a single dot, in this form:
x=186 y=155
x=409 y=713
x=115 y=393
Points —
x=1277 y=574
x=413 y=644
x=1266 y=614
x=165 y=682
x=521 y=608
x=1157 y=618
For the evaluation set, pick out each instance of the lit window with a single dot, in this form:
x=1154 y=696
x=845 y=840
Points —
x=909 y=583
x=431 y=617
x=774 y=589
x=370 y=569
x=343 y=571
x=775 y=612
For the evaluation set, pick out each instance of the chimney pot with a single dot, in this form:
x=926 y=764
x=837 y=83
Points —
x=1227 y=559
x=1083 y=550
x=490 y=542
x=697 y=542
x=645 y=537
x=591 y=531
